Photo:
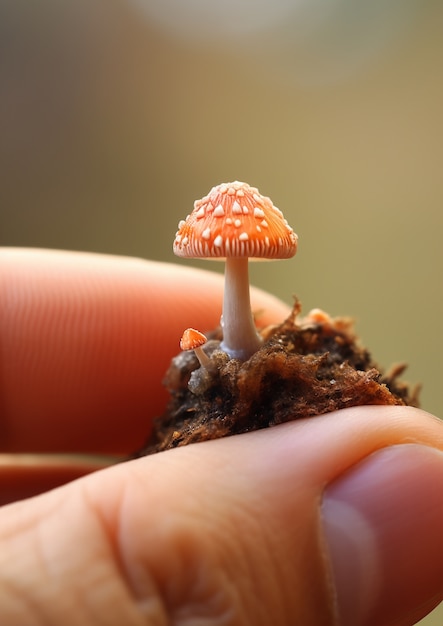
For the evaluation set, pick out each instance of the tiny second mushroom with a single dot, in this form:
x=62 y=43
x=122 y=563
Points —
x=195 y=340
x=235 y=222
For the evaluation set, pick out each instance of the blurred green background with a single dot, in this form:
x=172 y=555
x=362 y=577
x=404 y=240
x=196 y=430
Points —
x=116 y=114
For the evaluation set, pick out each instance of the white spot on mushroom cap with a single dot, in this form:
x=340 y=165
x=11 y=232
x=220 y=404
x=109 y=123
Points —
x=237 y=223
x=218 y=241
x=258 y=212
x=206 y=234
x=219 y=211
x=236 y=208
x=243 y=237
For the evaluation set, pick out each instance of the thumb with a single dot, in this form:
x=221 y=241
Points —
x=332 y=520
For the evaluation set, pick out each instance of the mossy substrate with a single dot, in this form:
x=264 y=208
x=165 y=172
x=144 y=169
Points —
x=306 y=366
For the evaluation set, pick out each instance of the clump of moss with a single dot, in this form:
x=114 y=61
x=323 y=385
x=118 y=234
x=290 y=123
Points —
x=305 y=367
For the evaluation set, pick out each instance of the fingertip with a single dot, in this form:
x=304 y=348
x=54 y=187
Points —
x=87 y=339
x=382 y=522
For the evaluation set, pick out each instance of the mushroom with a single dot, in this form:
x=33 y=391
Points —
x=318 y=316
x=194 y=340
x=235 y=222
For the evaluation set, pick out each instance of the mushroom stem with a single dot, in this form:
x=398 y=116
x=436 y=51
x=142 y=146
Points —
x=240 y=337
x=202 y=357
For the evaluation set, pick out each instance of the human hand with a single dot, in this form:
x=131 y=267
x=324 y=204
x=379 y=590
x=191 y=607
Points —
x=279 y=526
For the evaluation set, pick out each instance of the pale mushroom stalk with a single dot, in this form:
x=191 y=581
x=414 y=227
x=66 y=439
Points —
x=240 y=337
x=202 y=357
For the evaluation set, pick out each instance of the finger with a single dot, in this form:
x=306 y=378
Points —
x=26 y=475
x=85 y=342
x=232 y=531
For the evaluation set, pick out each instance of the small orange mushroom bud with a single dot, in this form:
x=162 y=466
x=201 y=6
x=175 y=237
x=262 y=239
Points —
x=319 y=317
x=194 y=340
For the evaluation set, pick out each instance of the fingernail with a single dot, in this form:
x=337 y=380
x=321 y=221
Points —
x=383 y=522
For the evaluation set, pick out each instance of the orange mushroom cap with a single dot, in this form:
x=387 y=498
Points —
x=192 y=339
x=235 y=220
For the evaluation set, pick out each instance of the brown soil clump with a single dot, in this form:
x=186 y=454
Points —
x=306 y=366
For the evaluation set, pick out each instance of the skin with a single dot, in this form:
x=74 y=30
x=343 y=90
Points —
x=191 y=536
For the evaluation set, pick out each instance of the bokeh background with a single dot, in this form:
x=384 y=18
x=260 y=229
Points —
x=116 y=114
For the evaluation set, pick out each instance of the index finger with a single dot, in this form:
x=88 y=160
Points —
x=85 y=340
